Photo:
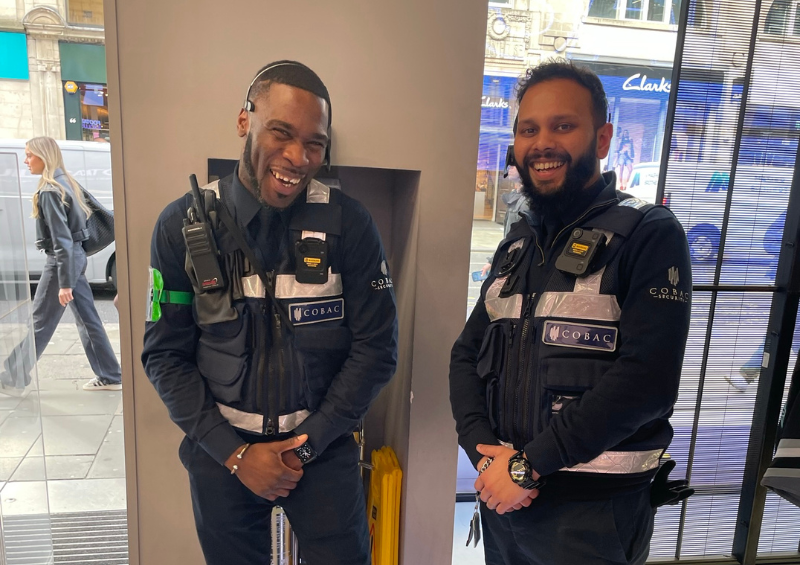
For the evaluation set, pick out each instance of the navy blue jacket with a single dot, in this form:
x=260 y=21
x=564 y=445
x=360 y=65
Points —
x=574 y=401
x=170 y=354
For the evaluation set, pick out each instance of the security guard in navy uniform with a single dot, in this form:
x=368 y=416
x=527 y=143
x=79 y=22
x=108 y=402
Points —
x=565 y=376
x=272 y=327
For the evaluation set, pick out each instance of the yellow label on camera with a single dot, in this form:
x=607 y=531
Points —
x=312 y=261
x=579 y=248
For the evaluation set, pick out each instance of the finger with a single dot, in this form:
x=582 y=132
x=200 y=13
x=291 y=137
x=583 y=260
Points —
x=517 y=506
x=479 y=484
x=492 y=503
x=286 y=485
x=525 y=502
x=534 y=494
x=489 y=450
x=291 y=443
x=486 y=495
x=291 y=475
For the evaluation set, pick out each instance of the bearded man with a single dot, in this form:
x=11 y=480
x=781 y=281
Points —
x=565 y=376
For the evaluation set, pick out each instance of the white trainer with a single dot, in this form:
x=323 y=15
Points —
x=98 y=384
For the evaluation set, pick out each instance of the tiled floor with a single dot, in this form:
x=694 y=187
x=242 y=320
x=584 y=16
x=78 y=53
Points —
x=73 y=461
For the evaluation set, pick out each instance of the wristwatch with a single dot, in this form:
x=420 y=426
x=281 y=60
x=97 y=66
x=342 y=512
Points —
x=305 y=453
x=521 y=473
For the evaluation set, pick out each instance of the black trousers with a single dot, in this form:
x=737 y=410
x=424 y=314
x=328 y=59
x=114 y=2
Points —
x=326 y=510
x=615 y=531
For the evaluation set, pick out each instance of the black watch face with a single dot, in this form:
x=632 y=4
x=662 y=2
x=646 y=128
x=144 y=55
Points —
x=519 y=471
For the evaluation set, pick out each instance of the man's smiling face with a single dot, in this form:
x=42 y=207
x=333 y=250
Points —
x=558 y=145
x=286 y=136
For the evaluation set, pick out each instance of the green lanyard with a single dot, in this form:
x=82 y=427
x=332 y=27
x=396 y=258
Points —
x=159 y=296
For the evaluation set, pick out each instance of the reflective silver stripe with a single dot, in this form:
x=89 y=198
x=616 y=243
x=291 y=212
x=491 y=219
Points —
x=506 y=444
x=620 y=462
x=788 y=448
x=318 y=193
x=790 y=443
x=589 y=284
x=780 y=473
x=286 y=286
x=255 y=422
x=499 y=308
x=253 y=287
x=597 y=307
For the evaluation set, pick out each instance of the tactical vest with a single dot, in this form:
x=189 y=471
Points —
x=266 y=377
x=546 y=346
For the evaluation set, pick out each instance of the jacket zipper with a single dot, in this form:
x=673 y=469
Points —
x=502 y=415
x=270 y=397
x=522 y=380
x=279 y=382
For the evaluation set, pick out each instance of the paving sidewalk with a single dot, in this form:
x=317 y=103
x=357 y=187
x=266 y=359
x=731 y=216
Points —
x=73 y=461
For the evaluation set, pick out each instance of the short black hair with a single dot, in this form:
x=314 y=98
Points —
x=290 y=73
x=560 y=68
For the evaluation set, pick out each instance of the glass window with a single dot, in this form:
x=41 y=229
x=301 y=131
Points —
x=94 y=112
x=85 y=12
x=633 y=10
x=655 y=10
x=796 y=26
x=777 y=18
x=603 y=8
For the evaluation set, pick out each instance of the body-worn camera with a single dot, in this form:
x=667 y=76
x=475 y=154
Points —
x=311 y=261
x=579 y=252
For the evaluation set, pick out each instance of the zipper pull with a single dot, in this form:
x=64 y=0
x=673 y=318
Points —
x=270 y=427
x=529 y=306
x=277 y=320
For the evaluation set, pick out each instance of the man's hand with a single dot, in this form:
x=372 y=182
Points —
x=291 y=460
x=497 y=489
x=262 y=468
x=64 y=296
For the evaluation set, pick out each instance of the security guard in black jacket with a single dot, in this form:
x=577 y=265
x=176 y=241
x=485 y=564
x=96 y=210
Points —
x=269 y=355
x=566 y=373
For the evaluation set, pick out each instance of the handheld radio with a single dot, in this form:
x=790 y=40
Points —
x=201 y=247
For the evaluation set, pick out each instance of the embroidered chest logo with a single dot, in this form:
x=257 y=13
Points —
x=315 y=312
x=671 y=292
x=580 y=336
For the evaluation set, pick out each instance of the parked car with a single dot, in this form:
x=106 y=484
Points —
x=697 y=196
x=90 y=164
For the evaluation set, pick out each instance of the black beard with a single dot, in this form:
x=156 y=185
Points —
x=250 y=171
x=571 y=190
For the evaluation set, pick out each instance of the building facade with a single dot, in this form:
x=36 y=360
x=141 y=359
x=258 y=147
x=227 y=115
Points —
x=52 y=70
x=629 y=44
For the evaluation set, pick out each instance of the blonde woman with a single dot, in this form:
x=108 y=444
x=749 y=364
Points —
x=61 y=213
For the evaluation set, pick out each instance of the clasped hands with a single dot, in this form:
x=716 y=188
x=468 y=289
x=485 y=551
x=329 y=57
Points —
x=497 y=489
x=270 y=470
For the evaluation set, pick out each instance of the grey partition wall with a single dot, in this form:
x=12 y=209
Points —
x=405 y=82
